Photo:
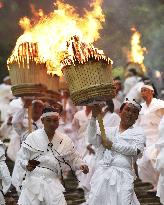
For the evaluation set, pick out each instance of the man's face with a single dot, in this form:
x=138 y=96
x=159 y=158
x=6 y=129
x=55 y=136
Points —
x=50 y=123
x=146 y=93
x=129 y=114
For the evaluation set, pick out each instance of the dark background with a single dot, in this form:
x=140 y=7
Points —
x=121 y=15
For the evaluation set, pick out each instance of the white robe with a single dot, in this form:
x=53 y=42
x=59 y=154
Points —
x=9 y=131
x=129 y=83
x=5 y=97
x=160 y=161
x=79 y=124
x=112 y=182
x=149 y=120
x=20 y=123
x=42 y=186
x=5 y=179
x=109 y=120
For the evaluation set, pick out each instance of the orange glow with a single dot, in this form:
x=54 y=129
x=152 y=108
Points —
x=137 y=52
x=49 y=34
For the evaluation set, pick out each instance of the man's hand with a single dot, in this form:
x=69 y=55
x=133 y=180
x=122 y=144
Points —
x=107 y=144
x=32 y=165
x=84 y=169
x=96 y=109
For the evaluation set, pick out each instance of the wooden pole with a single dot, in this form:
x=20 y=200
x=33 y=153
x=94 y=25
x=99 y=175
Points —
x=102 y=129
x=30 y=118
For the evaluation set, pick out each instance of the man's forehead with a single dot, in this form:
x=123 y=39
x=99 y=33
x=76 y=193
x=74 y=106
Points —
x=51 y=117
x=130 y=105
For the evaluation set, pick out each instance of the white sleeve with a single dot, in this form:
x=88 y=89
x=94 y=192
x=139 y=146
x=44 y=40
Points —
x=93 y=137
x=125 y=149
x=73 y=157
x=135 y=149
x=17 y=121
x=25 y=157
x=4 y=171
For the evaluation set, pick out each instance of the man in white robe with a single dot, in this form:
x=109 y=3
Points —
x=5 y=97
x=149 y=118
x=20 y=123
x=110 y=119
x=112 y=182
x=130 y=81
x=5 y=179
x=20 y=119
x=43 y=154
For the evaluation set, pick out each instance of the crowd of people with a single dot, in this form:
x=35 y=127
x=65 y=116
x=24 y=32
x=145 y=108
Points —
x=67 y=138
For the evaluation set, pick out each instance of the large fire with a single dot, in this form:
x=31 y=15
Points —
x=137 y=52
x=49 y=33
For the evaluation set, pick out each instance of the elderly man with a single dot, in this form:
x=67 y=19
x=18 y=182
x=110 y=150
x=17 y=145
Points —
x=149 y=118
x=112 y=182
x=43 y=154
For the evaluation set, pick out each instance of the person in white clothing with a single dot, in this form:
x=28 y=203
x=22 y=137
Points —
x=5 y=179
x=112 y=182
x=149 y=118
x=160 y=161
x=110 y=119
x=20 y=123
x=20 y=119
x=43 y=153
x=130 y=81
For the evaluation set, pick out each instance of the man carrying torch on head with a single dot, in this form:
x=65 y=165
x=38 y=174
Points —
x=44 y=152
x=112 y=182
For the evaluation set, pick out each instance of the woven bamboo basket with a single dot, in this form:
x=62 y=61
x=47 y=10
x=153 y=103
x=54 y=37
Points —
x=90 y=82
x=27 y=79
x=52 y=94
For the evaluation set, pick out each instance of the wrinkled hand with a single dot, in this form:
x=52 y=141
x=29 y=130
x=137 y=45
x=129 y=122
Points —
x=32 y=164
x=96 y=110
x=90 y=149
x=84 y=169
x=107 y=144
x=30 y=167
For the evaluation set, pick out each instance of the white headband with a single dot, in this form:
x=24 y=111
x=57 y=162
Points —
x=148 y=87
x=133 y=102
x=49 y=114
x=37 y=101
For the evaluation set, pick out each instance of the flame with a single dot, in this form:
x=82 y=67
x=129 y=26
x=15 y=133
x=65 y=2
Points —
x=137 y=52
x=51 y=32
x=79 y=53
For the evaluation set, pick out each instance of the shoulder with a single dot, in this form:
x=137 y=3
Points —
x=65 y=138
x=66 y=145
x=137 y=133
x=35 y=140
